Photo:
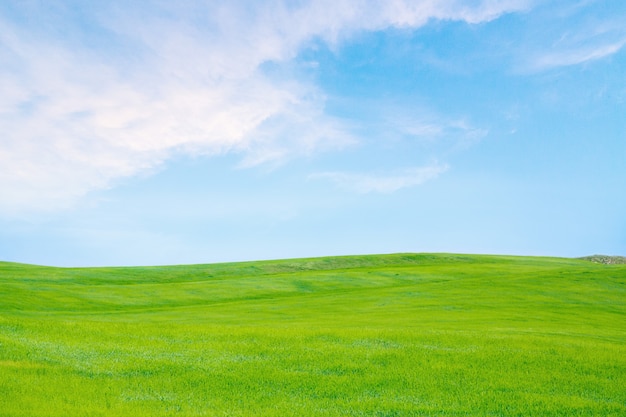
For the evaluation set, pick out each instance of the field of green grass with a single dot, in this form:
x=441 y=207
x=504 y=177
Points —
x=390 y=335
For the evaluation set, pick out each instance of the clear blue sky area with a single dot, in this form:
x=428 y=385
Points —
x=136 y=133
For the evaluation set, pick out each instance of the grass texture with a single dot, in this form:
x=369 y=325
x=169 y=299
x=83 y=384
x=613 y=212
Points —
x=387 y=335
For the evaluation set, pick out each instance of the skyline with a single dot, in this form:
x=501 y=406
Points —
x=227 y=131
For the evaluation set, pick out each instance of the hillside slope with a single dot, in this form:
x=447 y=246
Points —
x=403 y=334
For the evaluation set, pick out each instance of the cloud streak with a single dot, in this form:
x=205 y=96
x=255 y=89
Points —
x=577 y=55
x=586 y=38
x=85 y=106
x=384 y=183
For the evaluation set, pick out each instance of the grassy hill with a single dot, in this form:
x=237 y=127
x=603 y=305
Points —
x=390 y=335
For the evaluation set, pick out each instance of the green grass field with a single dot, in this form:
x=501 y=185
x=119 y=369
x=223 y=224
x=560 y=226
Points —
x=390 y=335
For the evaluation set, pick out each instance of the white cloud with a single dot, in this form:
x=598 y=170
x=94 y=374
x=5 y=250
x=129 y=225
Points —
x=573 y=34
x=84 y=105
x=575 y=56
x=383 y=183
x=426 y=125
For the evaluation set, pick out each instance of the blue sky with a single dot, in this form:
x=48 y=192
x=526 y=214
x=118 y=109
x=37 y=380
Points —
x=157 y=132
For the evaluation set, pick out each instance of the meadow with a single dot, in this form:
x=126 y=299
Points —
x=380 y=335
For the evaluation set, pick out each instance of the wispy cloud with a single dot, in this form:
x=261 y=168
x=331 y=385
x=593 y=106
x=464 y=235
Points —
x=574 y=34
x=575 y=56
x=383 y=183
x=426 y=125
x=118 y=94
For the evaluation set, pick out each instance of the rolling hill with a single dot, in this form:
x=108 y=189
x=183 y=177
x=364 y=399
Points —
x=378 y=335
